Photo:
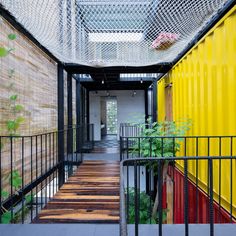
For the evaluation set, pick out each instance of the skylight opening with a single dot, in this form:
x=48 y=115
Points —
x=115 y=37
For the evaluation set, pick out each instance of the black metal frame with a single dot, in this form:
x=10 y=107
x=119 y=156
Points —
x=154 y=101
x=136 y=163
x=133 y=160
x=39 y=167
x=60 y=101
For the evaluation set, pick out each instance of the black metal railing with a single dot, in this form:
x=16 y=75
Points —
x=182 y=180
x=31 y=171
x=130 y=130
x=85 y=133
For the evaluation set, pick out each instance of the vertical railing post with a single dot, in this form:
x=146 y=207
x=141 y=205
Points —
x=60 y=94
x=159 y=172
x=211 y=213
x=121 y=151
x=0 y=178
x=136 y=218
x=186 y=203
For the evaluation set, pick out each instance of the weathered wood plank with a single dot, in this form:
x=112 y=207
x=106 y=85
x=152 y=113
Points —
x=91 y=195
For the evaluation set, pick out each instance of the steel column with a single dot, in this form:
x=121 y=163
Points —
x=60 y=94
x=154 y=101
x=69 y=123
x=78 y=113
x=69 y=114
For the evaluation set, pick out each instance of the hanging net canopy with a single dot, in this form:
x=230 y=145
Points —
x=102 y=33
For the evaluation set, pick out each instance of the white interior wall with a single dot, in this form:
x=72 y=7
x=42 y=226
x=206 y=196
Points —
x=127 y=107
x=95 y=114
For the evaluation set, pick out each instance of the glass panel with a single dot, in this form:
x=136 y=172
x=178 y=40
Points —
x=111 y=107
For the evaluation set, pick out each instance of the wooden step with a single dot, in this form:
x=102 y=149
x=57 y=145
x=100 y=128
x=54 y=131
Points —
x=91 y=195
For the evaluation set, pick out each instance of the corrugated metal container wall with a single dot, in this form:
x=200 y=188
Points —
x=204 y=90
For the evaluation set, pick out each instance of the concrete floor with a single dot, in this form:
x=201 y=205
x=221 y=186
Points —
x=102 y=156
x=111 y=230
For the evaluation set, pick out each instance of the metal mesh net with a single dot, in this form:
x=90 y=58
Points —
x=111 y=32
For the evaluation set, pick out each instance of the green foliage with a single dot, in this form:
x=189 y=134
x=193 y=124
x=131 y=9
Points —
x=6 y=217
x=18 y=107
x=28 y=199
x=12 y=125
x=12 y=36
x=152 y=145
x=145 y=207
x=4 y=194
x=16 y=179
x=13 y=97
x=3 y=52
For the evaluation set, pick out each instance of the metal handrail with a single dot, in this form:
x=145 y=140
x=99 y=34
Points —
x=134 y=161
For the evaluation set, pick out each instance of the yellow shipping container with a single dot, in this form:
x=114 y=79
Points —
x=204 y=90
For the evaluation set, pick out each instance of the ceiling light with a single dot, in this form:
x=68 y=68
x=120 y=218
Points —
x=134 y=93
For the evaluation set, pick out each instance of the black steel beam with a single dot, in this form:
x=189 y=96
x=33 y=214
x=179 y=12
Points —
x=119 y=85
x=80 y=69
x=12 y=20
x=60 y=108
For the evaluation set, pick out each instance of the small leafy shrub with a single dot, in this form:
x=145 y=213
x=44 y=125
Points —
x=145 y=214
x=145 y=209
x=154 y=146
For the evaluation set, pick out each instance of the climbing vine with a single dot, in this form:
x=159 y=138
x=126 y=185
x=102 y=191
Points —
x=12 y=125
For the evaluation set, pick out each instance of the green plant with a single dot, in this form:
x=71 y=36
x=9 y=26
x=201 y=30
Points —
x=6 y=216
x=160 y=140
x=12 y=125
x=145 y=209
x=145 y=216
x=23 y=210
x=152 y=145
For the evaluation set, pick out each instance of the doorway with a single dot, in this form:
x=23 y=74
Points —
x=109 y=126
x=111 y=116
x=109 y=122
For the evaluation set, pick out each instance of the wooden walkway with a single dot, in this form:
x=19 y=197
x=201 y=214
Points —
x=91 y=195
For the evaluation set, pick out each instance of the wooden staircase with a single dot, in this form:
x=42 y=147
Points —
x=91 y=195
